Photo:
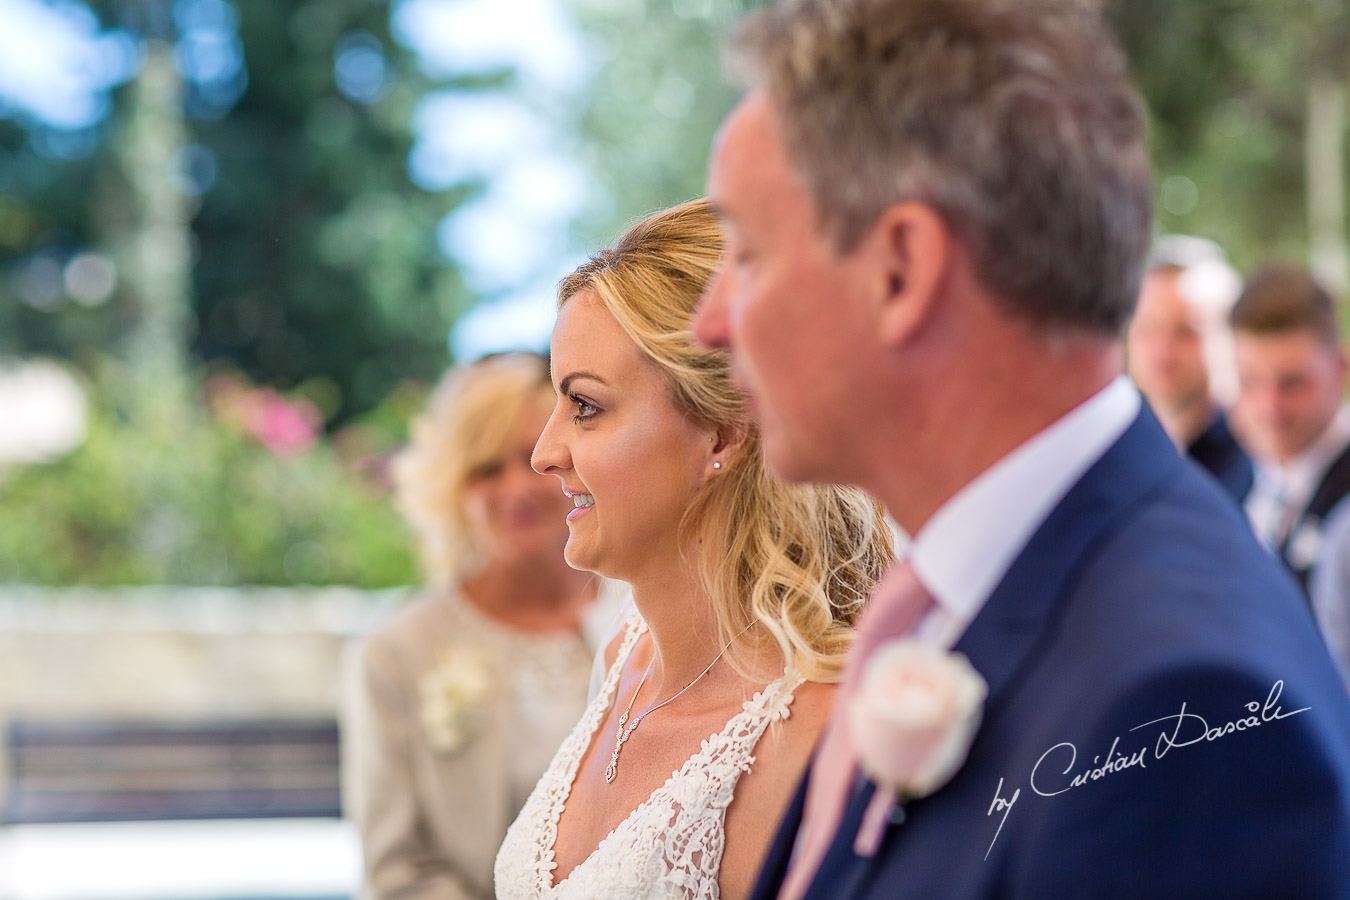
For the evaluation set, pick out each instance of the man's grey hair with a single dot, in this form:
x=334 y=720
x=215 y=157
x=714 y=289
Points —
x=1014 y=119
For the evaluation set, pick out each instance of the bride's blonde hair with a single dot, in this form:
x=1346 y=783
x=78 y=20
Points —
x=800 y=559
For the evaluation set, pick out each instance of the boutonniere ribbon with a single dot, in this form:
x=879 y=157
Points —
x=912 y=718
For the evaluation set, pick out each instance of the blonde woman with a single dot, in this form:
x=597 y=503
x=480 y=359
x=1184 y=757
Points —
x=460 y=700
x=744 y=589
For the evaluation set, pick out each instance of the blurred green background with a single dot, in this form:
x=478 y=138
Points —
x=252 y=234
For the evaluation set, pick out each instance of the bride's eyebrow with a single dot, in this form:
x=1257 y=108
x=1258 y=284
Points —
x=566 y=383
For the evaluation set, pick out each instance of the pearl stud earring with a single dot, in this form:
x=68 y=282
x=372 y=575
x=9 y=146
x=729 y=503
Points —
x=717 y=464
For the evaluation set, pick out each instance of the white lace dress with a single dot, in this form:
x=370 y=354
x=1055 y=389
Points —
x=671 y=845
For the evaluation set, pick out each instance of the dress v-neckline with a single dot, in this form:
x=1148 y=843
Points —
x=611 y=689
x=548 y=859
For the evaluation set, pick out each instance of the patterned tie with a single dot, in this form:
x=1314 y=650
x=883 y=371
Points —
x=894 y=609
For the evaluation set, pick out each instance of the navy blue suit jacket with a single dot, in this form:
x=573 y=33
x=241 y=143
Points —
x=1219 y=453
x=1139 y=608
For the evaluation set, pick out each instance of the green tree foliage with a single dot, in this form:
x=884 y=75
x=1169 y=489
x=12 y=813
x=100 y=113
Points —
x=655 y=99
x=318 y=255
x=313 y=254
x=1227 y=84
x=45 y=218
x=207 y=507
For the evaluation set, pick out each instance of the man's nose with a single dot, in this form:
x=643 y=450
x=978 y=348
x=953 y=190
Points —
x=710 y=316
x=520 y=476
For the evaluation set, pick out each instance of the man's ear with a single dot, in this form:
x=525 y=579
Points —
x=912 y=248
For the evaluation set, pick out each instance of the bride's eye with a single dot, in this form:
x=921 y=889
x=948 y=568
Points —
x=585 y=410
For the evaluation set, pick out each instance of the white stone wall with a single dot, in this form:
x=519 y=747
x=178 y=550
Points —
x=177 y=653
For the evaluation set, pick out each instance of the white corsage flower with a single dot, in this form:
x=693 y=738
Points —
x=453 y=700
x=912 y=718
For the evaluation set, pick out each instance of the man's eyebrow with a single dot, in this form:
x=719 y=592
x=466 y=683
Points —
x=566 y=383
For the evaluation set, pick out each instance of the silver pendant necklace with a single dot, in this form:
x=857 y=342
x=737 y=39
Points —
x=622 y=734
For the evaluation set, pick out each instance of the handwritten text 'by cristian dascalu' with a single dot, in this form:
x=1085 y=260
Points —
x=1049 y=776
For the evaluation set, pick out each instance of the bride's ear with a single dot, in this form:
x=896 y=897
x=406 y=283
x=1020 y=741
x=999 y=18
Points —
x=725 y=443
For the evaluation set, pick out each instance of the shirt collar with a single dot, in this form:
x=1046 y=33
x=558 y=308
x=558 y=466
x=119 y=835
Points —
x=968 y=545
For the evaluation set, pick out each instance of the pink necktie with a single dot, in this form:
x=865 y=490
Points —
x=895 y=607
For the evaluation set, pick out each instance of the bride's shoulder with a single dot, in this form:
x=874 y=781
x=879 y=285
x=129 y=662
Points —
x=797 y=732
x=797 y=717
x=811 y=704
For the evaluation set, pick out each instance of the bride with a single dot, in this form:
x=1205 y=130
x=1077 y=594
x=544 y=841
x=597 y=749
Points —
x=674 y=780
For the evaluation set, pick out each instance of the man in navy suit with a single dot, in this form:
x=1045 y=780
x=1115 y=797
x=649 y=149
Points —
x=1179 y=352
x=936 y=213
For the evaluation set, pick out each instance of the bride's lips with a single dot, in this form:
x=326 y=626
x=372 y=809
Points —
x=584 y=504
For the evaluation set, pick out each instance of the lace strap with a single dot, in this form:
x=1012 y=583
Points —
x=556 y=784
x=771 y=704
x=723 y=757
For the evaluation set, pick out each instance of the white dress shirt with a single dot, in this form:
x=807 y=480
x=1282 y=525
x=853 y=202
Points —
x=1281 y=492
x=965 y=549
x=1330 y=588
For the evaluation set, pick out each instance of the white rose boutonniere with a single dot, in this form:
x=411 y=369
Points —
x=912 y=718
x=453 y=700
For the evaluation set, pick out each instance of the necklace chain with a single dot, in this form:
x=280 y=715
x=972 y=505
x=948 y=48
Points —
x=622 y=734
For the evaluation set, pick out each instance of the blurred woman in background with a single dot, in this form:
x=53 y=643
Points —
x=459 y=701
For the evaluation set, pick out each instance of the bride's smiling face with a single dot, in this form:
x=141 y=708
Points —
x=630 y=459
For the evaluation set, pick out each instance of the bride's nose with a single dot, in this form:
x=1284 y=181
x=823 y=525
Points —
x=550 y=455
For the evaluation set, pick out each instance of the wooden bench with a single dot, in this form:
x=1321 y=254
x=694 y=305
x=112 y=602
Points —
x=89 y=771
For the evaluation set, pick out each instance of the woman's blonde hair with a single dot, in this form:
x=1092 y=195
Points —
x=466 y=426
x=799 y=559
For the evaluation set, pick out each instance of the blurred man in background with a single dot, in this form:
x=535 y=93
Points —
x=1292 y=370
x=1180 y=354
